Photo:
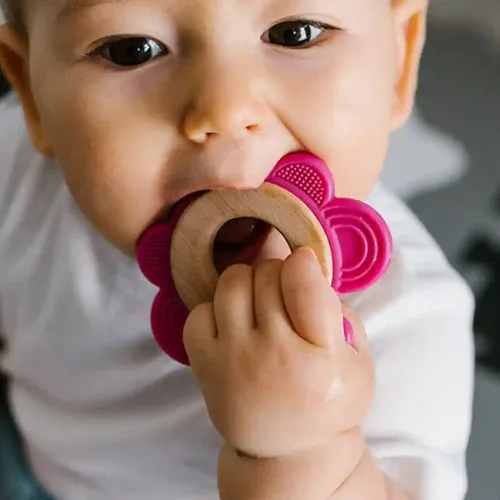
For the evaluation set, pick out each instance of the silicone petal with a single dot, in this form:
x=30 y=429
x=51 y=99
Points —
x=152 y=250
x=365 y=242
x=168 y=317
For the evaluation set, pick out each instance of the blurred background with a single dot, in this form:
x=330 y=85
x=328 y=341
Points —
x=446 y=164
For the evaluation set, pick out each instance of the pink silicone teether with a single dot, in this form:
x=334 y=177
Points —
x=360 y=242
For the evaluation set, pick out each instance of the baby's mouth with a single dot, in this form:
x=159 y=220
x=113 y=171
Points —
x=239 y=241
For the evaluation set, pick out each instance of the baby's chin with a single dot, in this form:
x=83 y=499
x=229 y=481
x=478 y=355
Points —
x=263 y=242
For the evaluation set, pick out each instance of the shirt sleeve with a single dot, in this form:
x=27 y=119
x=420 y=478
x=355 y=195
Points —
x=419 y=321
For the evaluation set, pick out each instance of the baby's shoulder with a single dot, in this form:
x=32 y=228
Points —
x=418 y=319
x=407 y=230
x=21 y=172
x=416 y=252
x=29 y=185
x=13 y=134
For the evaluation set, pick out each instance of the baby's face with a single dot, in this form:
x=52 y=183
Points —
x=145 y=101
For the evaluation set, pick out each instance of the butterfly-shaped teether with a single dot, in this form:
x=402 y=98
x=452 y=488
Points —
x=358 y=240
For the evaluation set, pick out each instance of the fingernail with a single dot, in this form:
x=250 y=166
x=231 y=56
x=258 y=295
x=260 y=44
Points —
x=309 y=256
x=348 y=332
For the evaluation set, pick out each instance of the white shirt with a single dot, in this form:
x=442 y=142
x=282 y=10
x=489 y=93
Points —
x=106 y=415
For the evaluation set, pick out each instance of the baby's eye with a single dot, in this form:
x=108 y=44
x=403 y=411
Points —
x=298 y=33
x=130 y=51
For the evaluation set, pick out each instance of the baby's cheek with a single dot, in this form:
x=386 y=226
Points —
x=115 y=195
x=350 y=132
x=362 y=164
x=355 y=157
x=117 y=171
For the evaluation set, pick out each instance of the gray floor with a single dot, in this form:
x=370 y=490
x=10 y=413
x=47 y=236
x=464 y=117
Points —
x=451 y=150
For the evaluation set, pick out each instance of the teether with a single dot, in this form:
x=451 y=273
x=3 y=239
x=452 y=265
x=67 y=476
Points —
x=351 y=240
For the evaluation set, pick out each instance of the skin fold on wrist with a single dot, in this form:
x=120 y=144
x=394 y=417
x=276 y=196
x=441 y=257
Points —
x=313 y=473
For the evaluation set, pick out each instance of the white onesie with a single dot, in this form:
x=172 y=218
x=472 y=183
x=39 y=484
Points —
x=106 y=416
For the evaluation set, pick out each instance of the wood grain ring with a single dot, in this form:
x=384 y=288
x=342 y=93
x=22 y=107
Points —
x=193 y=269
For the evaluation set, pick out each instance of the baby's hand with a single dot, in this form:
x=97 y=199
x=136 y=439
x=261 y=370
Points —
x=271 y=359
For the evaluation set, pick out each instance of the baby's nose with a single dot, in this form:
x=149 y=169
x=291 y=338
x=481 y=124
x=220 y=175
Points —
x=227 y=103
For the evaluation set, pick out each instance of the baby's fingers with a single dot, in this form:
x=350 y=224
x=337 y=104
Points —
x=200 y=334
x=312 y=305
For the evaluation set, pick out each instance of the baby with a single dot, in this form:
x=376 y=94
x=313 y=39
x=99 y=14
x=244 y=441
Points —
x=131 y=105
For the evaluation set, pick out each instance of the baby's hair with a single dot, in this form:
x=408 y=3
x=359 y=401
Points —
x=12 y=10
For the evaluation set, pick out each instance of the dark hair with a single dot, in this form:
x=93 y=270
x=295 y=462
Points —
x=13 y=12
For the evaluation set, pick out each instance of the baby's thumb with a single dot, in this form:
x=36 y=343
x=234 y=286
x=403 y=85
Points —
x=313 y=307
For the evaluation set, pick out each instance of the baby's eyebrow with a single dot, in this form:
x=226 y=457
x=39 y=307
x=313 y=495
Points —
x=72 y=6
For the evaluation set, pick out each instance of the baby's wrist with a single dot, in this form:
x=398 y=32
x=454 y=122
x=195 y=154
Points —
x=316 y=472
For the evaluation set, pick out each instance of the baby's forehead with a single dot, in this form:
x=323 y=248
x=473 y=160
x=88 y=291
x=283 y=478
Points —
x=361 y=15
x=299 y=5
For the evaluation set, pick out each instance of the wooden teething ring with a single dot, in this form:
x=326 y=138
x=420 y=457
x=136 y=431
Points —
x=193 y=270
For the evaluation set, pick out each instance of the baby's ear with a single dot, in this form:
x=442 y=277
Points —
x=14 y=61
x=410 y=17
